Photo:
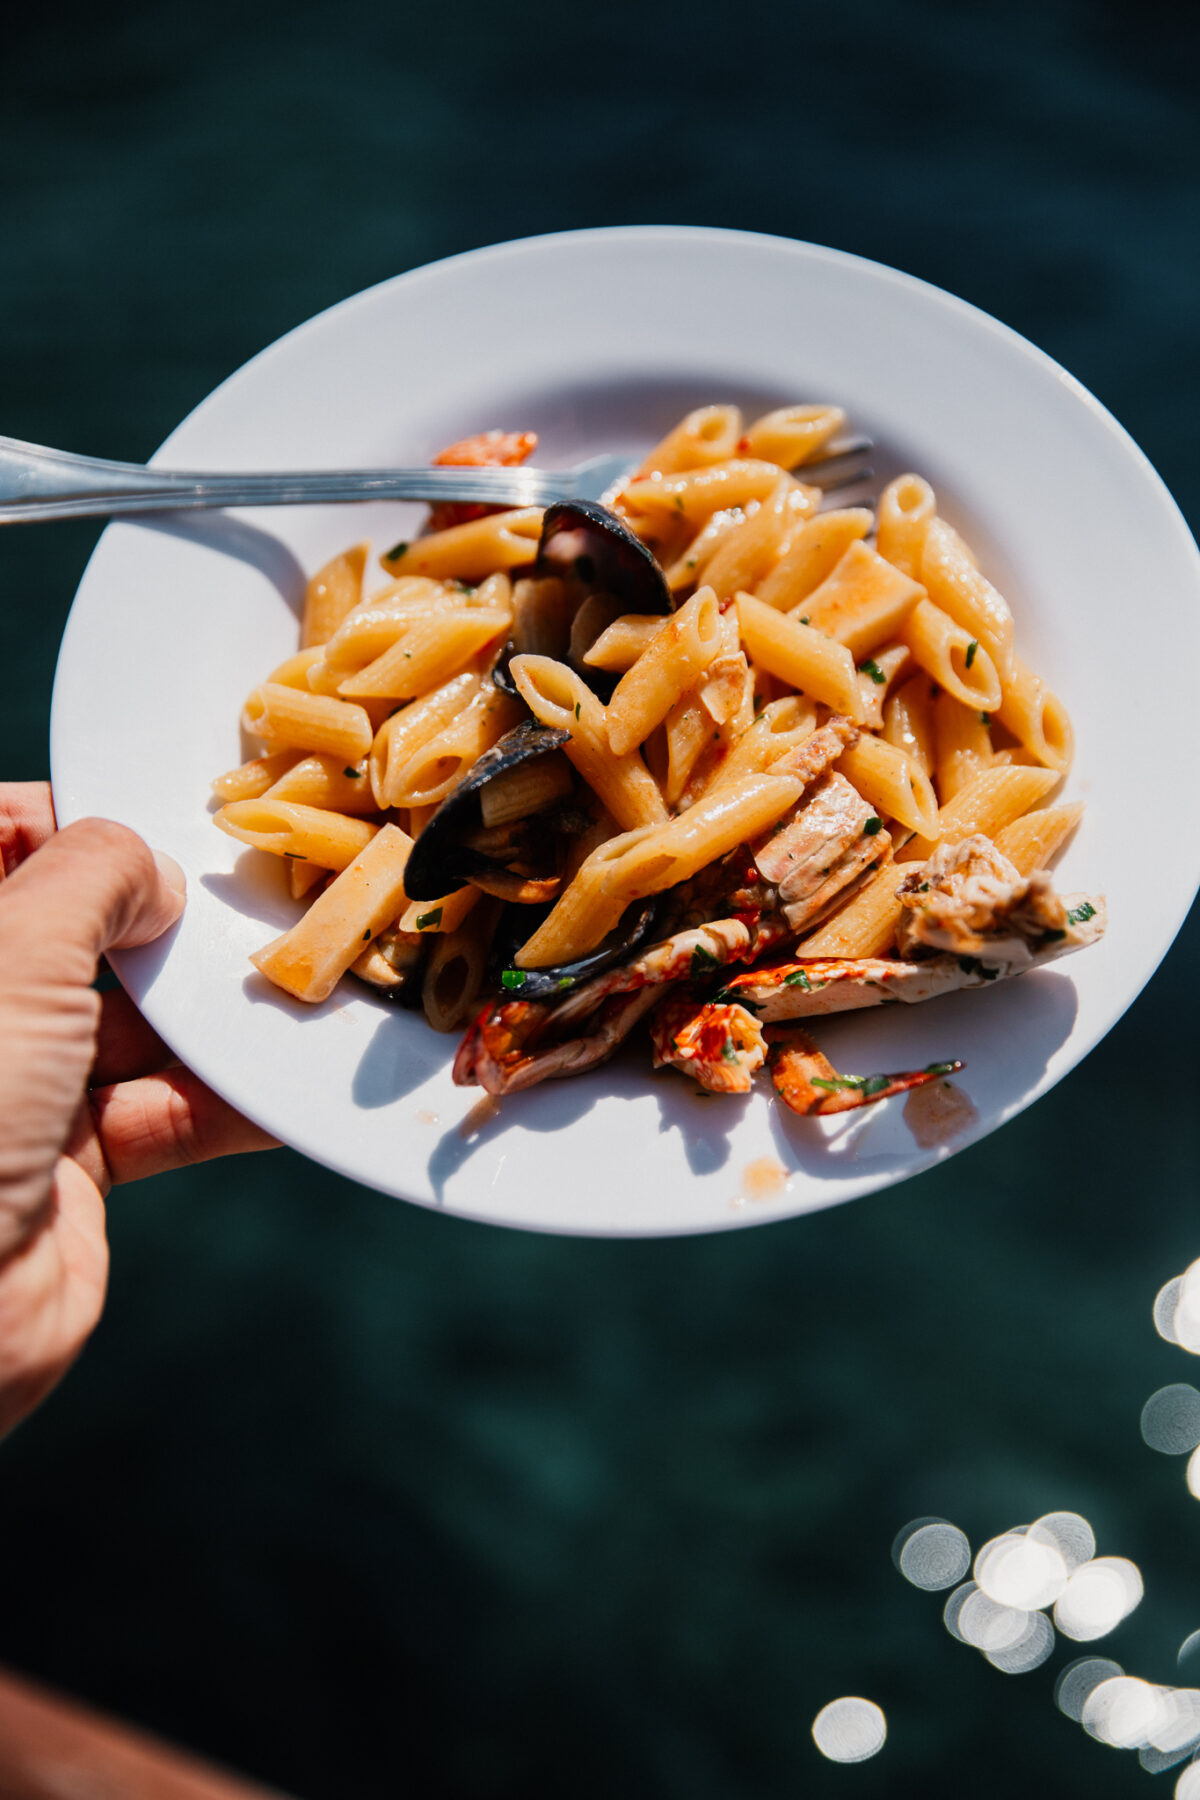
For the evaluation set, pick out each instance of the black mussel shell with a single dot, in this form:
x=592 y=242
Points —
x=588 y=542
x=634 y=927
x=440 y=861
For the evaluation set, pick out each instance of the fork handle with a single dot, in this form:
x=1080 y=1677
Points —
x=37 y=483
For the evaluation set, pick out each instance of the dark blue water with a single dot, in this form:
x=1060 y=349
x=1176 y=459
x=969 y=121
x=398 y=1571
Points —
x=364 y=1500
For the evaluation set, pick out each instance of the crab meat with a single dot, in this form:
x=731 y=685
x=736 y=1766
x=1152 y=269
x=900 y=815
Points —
x=504 y=1051
x=969 y=899
x=807 y=1082
x=828 y=841
x=487 y=449
x=686 y=956
x=805 y=989
x=719 y=1044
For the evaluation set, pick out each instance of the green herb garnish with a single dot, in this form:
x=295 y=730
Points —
x=427 y=921
x=872 y=826
x=798 y=978
x=702 y=961
x=946 y=1068
x=354 y=774
x=971 y=965
x=985 y=718
x=728 y=1051
x=395 y=551
x=872 y=668
x=972 y=652
x=578 y=704
x=1079 y=915
x=367 y=935
x=511 y=980
x=856 y=1084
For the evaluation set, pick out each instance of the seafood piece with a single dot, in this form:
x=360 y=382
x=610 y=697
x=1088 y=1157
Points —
x=586 y=542
x=968 y=898
x=633 y=929
x=391 y=963
x=805 y=989
x=503 y=1051
x=807 y=1082
x=721 y=1045
x=589 y=569
x=828 y=840
x=487 y=449
x=687 y=956
x=441 y=859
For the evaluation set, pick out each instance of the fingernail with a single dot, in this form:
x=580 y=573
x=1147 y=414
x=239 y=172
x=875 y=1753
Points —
x=171 y=873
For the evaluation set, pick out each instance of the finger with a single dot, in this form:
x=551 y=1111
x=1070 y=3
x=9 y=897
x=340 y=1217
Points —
x=163 y=1122
x=26 y=821
x=93 y=887
x=126 y=1045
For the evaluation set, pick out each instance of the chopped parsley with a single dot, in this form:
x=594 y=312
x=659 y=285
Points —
x=690 y=563
x=353 y=774
x=427 y=921
x=804 y=621
x=464 y=587
x=395 y=551
x=856 y=1084
x=702 y=961
x=946 y=1068
x=578 y=704
x=564 y=981
x=1079 y=915
x=872 y=668
x=729 y=1051
x=985 y=718
x=585 y=568
x=972 y=652
x=798 y=978
x=367 y=935
x=872 y=825
x=511 y=980
x=298 y=854
x=679 y=505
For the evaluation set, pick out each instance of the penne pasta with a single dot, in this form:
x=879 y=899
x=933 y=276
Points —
x=813 y=554
x=654 y=857
x=800 y=655
x=823 y=713
x=472 y=551
x=286 y=828
x=332 y=592
x=286 y=716
x=863 y=602
x=682 y=648
x=956 y=661
x=623 y=784
x=310 y=959
x=1037 y=718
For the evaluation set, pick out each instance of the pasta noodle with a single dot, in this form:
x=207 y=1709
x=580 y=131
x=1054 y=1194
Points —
x=573 y=787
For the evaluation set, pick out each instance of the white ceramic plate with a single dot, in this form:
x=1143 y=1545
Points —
x=598 y=340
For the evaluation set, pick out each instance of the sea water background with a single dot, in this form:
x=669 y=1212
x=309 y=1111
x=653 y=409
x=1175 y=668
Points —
x=358 y=1498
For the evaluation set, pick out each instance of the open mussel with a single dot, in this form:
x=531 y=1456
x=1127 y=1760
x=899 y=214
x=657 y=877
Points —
x=633 y=928
x=443 y=857
x=590 y=569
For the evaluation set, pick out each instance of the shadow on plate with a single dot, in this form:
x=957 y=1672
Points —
x=398 y=1061
x=1027 y=1021
x=229 y=536
x=255 y=888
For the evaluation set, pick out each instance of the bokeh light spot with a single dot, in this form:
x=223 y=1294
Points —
x=849 y=1730
x=1171 y=1419
x=1021 y=1571
x=1166 y=1302
x=1079 y=1679
x=934 y=1556
x=1029 y=1652
x=1070 y=1534
x=1098 y=1595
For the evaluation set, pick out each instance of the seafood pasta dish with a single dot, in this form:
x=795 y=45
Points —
x=707 y=762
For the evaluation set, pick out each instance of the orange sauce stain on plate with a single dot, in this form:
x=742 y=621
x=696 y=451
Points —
x=938 y=1112
x=763 y=1179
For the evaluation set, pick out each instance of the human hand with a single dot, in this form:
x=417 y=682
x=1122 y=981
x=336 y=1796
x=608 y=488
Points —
x=89 y=1094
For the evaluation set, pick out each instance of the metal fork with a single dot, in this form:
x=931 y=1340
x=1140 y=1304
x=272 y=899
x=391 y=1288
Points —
x=36 y=483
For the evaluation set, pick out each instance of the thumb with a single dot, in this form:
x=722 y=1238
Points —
x=95 y=886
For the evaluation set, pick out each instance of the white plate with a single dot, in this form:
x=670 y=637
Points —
x=598 y=340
